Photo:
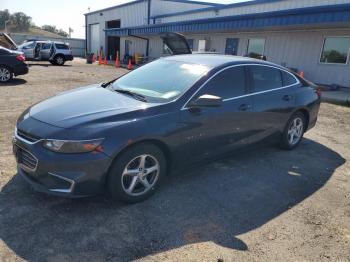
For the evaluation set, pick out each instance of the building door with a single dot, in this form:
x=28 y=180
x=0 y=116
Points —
x=231 y=46
x=113 y=42
x=113 y=46
x=94 y=38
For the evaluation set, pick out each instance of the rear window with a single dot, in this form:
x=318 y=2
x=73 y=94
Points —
x=288 y=79
x=62 y=46
x=265 y=78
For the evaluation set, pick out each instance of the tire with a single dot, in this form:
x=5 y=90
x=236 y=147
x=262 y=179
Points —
x=52 y=62
x=294 y=131
x=59 y=60
x=128 y=177
x=5 y=74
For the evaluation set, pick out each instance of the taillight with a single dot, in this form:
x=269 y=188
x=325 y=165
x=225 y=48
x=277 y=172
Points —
x=21 y=58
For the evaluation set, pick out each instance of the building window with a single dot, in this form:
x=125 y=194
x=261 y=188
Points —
x=335 y=50
x=256 y=47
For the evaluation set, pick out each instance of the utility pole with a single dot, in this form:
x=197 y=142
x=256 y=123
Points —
x=6 y=22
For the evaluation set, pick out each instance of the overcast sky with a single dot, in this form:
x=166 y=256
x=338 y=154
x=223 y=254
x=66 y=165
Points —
x=66 y=13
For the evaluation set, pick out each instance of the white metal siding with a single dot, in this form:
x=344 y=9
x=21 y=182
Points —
x=159 y=7
x=299 y=49
x=130 y=15
x=250 y=9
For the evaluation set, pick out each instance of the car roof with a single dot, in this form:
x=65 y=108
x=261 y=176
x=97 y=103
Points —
x=47 y=41
x=215 y=60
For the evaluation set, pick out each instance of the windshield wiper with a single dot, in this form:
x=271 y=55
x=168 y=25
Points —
x=130 y=93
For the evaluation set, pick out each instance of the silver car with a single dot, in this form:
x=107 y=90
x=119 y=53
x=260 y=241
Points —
x=57 y=53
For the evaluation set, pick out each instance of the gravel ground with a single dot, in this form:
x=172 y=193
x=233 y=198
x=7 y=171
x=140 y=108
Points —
x=260 y=205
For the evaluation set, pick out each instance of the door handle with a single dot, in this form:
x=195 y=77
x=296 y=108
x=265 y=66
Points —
x=244 y=107
x=287 y=97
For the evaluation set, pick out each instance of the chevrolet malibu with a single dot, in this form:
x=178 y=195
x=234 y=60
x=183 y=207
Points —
x=124 y=136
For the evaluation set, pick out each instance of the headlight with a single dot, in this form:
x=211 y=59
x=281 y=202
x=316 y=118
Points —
x=71 y=146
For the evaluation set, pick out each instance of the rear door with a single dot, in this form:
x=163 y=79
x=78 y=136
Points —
x=45 y=51
x=273 y=92
x=211 y=130
x=176 y=43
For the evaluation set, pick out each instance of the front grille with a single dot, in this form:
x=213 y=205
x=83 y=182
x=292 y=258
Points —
x=26 y=136
x=25 y=158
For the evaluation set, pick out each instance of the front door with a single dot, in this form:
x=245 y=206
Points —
x=211 y=130
x=231 y=46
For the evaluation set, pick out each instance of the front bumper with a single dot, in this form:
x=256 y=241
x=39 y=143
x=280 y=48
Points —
x=69 y=57
x=68 y=175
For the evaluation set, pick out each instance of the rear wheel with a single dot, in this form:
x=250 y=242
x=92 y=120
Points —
x=59 y=60
x=294 y=131
x=137 y=173
x=5 y=74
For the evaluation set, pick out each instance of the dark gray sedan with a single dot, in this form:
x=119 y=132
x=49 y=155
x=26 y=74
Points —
x=124 y=136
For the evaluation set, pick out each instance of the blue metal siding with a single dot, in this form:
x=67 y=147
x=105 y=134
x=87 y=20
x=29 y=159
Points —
x=300 y=16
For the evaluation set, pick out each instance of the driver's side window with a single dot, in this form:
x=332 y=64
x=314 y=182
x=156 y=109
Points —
x=226 y=84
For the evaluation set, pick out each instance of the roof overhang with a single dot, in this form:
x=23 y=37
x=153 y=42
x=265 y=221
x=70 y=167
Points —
x=329 y=14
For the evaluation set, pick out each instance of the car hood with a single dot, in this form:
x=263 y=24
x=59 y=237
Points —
x=85 y=106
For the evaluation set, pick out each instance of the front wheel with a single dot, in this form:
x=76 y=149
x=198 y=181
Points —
x=5 y=74
x=137 y=173
x=294 y=131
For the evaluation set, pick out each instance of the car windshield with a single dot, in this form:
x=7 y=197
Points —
x=162 y=80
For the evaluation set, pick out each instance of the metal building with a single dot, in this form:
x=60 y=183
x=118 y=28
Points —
x=312 y=36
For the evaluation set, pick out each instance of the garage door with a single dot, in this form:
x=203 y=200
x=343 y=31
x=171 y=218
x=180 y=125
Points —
x=94 y=38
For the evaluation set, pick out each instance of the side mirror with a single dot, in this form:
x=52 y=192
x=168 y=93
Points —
x=206 y=101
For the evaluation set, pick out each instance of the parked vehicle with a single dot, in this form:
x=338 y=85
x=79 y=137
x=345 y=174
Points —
x=7 y=42
x=12 y=63
x=123 y=136
x=57 y=53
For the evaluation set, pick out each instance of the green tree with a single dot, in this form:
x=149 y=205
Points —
x=53 y=29
x=4 y=16
x=20 y=21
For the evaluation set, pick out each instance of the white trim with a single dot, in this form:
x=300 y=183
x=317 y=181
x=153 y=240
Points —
x=67 y=191
x=24 y=140
x=251 y=94
x=322 y=49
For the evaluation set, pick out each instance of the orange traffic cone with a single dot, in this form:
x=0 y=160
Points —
x=105 y=61
x=301 y=74
x=117 y=64
x=100 y=59
x=129 y=67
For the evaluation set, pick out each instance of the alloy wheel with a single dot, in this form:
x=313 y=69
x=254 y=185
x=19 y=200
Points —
x=5 y=74
x=59 y=60
x=295 y=131
x=140 y=175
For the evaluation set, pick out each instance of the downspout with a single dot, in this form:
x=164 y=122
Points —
x=86 y=36
x=148 y=22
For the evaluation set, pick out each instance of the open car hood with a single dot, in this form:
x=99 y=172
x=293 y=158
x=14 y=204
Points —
x=176 y=43
x=7 y=42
